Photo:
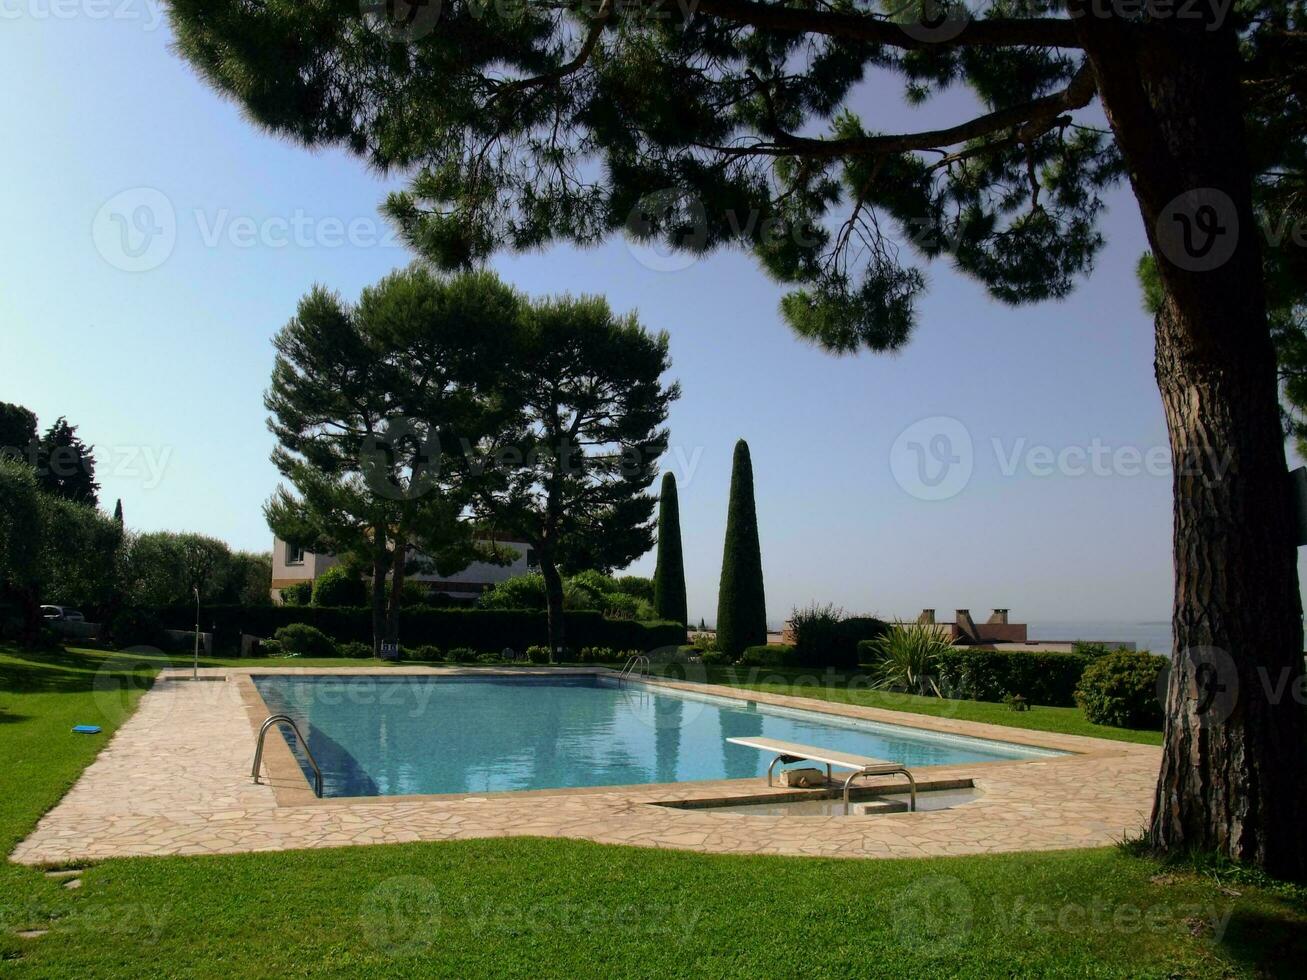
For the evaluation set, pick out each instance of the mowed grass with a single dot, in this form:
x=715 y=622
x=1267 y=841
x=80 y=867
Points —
x=530 y=907
x=853 y=689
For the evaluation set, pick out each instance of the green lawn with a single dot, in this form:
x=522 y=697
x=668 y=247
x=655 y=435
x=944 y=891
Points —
x=835 y=687
x=545 y=907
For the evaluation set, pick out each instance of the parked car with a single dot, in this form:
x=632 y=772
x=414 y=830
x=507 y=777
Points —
x=62 y=614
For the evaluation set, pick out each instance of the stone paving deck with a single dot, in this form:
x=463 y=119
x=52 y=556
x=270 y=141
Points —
x=175 y=780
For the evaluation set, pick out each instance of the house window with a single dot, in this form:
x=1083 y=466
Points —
x=294 y=555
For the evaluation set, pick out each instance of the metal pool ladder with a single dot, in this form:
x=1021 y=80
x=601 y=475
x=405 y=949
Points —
x=639 y=663
x=258 y=749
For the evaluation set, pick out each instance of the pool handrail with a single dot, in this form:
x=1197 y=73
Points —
x=640 y=661
x=258 y=749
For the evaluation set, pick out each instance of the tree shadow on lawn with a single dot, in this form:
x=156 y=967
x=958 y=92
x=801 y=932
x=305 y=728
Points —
x=63 y=672
x=1267 y=943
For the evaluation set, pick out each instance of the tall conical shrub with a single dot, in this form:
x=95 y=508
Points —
x=669 y=575
x=741 y=605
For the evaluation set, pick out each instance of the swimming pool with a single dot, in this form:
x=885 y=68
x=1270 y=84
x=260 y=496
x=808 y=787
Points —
x=419 y=734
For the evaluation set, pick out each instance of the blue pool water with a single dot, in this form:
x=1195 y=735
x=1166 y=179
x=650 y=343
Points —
x=390 y=736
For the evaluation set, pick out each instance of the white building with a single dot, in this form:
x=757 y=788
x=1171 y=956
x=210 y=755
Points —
x=292 y=565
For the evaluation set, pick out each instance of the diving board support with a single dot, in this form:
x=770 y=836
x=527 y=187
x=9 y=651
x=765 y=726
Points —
x=861 y=765
x=882 y=771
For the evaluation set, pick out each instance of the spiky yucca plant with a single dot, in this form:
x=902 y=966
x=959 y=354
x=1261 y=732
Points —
x=908 y=658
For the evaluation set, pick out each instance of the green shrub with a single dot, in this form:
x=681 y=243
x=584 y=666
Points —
x=716 y=658
x=1121 y=689
x=519 y=592
x=908 y=658
x=1092 y=648
x=269 y=648
x=355 y=650
x=594 y=655
x=1015 y=702
x=139 y=628
x=703 y=642
x=619 y=605
x=297 y=594
x=428 y=653
x=337 y=587
x=302 y=640
x=488 y=658
x=989 y=675
x=414 y=593
x=484 y=629
x=461 y=655
x=825 y=636
x=594 y=586
x=779 y=655
x=636 y=585
x=537 y=654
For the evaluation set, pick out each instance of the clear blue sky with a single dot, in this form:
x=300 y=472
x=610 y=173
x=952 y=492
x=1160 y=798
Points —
x=167 y=366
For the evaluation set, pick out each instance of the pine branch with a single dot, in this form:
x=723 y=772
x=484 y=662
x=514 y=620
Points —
x=1032 y=118
x=995 y=32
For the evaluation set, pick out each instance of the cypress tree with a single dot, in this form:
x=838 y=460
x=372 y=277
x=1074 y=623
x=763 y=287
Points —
x=741 y=606
x=118 y=512
x=669 y=575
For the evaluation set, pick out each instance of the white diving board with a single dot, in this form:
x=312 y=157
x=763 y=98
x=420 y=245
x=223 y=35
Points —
x=862 y=765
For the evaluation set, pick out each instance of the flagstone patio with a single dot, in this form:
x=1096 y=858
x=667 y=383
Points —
x=175 y=779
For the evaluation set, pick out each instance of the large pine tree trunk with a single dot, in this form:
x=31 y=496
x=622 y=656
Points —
x=380 y=568
x=1230 y=780
x=397 y=576
x=554 y=604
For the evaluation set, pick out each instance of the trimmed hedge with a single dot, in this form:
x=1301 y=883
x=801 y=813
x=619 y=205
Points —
x=478 y=629
x=779 y=655
x=988 y=675
x=828 y=641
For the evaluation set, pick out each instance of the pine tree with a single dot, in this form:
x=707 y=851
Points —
x=66 y=465
x=669 y=575
x=579 y=376
x=741 y=605
x=17 y=432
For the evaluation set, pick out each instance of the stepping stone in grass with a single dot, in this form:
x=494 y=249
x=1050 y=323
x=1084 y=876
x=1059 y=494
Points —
x=65 y=873
x=32 y=933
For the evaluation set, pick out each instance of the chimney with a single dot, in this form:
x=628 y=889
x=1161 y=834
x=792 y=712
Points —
x=999 y=617
x=966 y=626
x=927 y=617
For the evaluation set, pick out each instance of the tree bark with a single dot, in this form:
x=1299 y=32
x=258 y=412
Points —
x=1230 y=781
x=380 y=567
x=396 y=588
x=553 y=603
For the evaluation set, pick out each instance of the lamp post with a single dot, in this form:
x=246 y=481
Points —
x=195 y=670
